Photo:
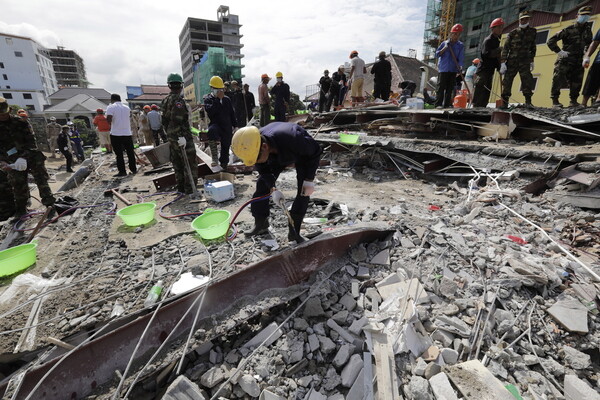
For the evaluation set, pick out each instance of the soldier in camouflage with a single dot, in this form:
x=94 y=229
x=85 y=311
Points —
x=52 y=131
x=7 y=200
x=567 y=68
x=175 y=119
x=517 y=57
x=19 y=155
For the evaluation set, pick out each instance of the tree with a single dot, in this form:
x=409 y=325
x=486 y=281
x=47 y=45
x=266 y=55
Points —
x=88 y=136
x=294 y=105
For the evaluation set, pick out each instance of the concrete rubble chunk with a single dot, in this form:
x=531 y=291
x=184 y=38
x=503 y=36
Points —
x=453 y=325
x=357 y=325
x=183 y=389
x=351 y=370
x=314 y=395
x=382 y=258
x=264 y=334
x=431 y=354
x=450 y=356
x=341 y=331
x=571 y=314
x=313 y=308
x=357 y=391
x=441 y=387
x=268 y=395
x=212 y=377
x=419 y=368
x=249 y=385
x=348 y=302
x=411 y=288
x=577 y=389
x=418 y=388
x=313 y=342
x=327 y=346
x=476 y=382
x=575 y=358
x=343 y=355
x=432 y=370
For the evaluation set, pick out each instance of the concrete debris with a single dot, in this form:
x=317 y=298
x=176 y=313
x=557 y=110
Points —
x=184 y=389
x=441 y=387
x=575 y=358
x=571 y=314
x=474 y=381
x=249 y=385
x=576 y=389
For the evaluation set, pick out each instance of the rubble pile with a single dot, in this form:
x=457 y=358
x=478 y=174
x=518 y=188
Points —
x=462 y=299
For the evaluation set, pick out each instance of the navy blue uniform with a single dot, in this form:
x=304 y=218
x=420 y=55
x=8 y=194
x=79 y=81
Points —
x=294 y=146
x=282 y=96
x=222 y=120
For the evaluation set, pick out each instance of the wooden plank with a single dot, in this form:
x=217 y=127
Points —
x=385 y=367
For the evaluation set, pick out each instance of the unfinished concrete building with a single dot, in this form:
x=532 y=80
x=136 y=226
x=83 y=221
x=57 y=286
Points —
x=68 y=67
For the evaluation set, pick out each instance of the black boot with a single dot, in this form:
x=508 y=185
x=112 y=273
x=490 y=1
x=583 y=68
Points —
x=261 y=225
x=294 y=234
x=214 y=152
x=528 y=102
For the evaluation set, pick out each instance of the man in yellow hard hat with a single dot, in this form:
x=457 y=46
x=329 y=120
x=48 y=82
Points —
x=281 y=91
x=220 y=111
x=272 y=149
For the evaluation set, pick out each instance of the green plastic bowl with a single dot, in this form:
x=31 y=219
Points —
x=348 y=138
x=137 y=214
x=212 y=224
x=17 y=259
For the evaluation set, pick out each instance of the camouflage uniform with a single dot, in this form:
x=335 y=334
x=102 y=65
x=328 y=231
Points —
x=52 y=131
x=518 y=53
x=568 y=70
x=18 y=140
x=7 y=200
x=175 y=119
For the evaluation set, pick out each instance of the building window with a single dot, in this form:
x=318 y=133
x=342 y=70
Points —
x=30 y=107
x=18 y=54
x=541 y=37
x=9 y=41
x=5 y=77
x=27 y=96
x=2 y=65
x=7 y=95
x=476 y=26
x=473 y=43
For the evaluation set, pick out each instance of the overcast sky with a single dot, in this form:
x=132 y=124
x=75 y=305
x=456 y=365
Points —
x=131 y=43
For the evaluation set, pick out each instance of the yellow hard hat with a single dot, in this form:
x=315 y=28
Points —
x=278 y=75
x=216 y=82
x=246 y=144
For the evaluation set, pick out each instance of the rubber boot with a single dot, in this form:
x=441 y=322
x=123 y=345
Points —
x=294 y=234
x=261 y=225
x=214 y=152
x=556 y=103
x=528 y=102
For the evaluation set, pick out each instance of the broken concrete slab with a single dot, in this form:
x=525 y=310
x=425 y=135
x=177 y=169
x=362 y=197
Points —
x=313 y=308
x=249 y=385
x=575 y=358
x=183 y=389
x=571 y=314
x=272 y=332
x=382 y=258
x=268 y=395
x=351 y=370
x=453 y=325
x=343 y=355
x=411 y=288
x=441 y=387
x=418 y=388
x=474 y=381
x=577 y=389
x=357 y=391
x=213 y=377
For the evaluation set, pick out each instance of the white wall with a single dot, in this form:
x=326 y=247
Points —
x=31 y=73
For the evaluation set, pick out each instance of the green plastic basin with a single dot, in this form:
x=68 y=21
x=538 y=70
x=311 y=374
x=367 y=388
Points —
x=348 y=138
x=212 y=224
x=17 y=259
x=137 y=214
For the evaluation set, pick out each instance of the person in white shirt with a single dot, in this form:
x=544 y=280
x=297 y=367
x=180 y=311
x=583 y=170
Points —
x=357 y=76
x=117 y=115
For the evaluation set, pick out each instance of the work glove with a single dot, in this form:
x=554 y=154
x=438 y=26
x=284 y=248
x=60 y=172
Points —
x=531 y=66
x=278 y=198
x=308 y=188
x=586 y=62
x=563 y=54
x=19 y=165
x=181 y=141
x=503 y=68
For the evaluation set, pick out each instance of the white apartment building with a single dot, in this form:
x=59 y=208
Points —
x=26 y=73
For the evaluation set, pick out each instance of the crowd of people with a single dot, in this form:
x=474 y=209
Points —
x=517 y=57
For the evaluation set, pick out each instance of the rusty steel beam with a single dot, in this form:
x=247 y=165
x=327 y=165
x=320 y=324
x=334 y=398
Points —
x=94 y=363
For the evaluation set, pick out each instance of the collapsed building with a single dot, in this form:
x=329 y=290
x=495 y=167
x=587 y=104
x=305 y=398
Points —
x=453 y=254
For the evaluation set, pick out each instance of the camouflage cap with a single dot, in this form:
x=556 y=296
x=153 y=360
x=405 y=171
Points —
x=587 y=10
x=524 y=14
x=3 y=105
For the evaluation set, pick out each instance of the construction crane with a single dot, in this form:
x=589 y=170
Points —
x=447 y=18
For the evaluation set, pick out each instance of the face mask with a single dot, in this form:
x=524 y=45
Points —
x=279 y=79
x=524 y=25
x=582 y=19
x=215 y=92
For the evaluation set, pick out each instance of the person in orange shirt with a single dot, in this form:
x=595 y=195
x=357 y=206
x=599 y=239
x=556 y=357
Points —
x=103 y=129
